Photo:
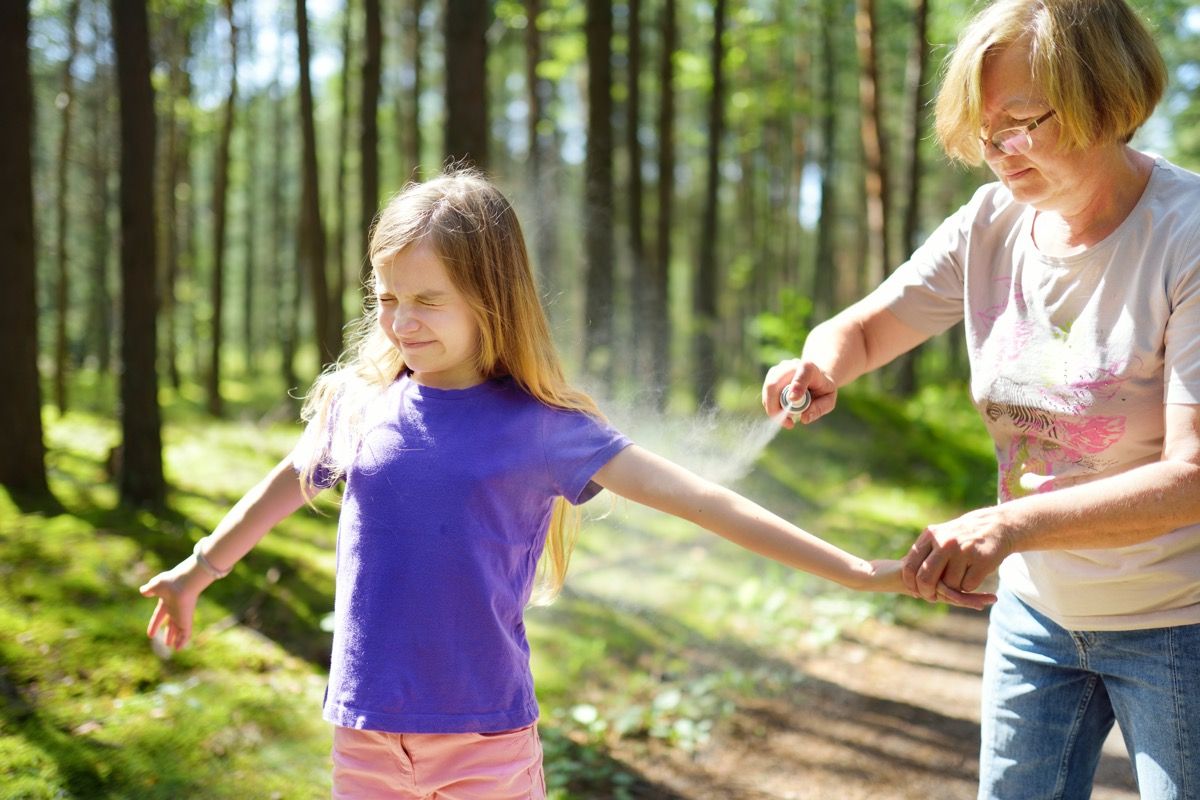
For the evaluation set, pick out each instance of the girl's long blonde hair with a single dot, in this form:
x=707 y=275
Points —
x=474 y=230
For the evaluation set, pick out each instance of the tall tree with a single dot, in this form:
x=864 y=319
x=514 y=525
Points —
x=411 y=139
x=641 y=308
x=99 y=327
x=173 y=228
x=598 y=193
x=369 y=131
x=660 y=284
x=879 y=257
x=918 y=58
x=824 y=269
x=64 y=172
x=704 y=371
x=466 y=134
x=540 y=91
x=22 y=451
x=286 y=312
x=141 y=473
x=311 y=254
x=220 y=204
x=250 y=270
x=337 y=246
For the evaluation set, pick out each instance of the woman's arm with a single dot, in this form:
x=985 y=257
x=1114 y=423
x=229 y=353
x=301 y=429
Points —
x=642 y=476
x=1120 y=510
x=858 y=340
x=273 y=498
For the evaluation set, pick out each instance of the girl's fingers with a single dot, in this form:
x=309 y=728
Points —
x=156 y=619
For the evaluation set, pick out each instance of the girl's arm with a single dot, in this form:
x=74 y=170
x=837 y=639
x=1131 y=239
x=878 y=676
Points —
x=273 y=498
x=654 y=481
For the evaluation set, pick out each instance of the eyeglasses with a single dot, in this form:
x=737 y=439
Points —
x=1015 y=141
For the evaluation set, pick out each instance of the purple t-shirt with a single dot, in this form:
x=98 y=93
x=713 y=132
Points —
x=444 y=517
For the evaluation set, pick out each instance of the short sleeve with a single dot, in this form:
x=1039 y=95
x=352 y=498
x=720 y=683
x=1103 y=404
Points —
x=1181 y=360
x=926 y=292
x=576 y=445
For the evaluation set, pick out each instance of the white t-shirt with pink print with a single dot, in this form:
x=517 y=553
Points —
x=1072 y=360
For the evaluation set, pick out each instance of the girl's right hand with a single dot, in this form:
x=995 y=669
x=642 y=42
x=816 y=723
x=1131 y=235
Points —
x=801 y=376
x=177 y=591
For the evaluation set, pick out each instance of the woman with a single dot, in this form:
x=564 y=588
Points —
x=1077 y=276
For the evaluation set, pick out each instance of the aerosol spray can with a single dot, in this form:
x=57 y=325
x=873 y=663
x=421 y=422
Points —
x=794 y=407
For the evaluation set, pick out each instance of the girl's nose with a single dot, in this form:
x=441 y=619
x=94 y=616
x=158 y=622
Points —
x=405 y=321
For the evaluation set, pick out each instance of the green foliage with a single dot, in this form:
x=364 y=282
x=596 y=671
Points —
x=780 y=335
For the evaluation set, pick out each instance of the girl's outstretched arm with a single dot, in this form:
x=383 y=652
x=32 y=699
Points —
x=273 y=498
x=642 y=476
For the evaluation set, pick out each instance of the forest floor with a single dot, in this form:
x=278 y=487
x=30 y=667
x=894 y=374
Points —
x=886 y=712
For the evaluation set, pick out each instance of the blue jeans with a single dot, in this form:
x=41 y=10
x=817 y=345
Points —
x=1050 y=697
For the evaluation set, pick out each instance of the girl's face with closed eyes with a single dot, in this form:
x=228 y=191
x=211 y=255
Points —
x=428 y=319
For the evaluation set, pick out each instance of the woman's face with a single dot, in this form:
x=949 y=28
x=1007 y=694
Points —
x=1043 y=177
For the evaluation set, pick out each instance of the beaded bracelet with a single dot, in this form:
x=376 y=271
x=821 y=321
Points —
x=207 y=565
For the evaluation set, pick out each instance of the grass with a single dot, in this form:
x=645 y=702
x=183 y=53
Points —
x=662 y=628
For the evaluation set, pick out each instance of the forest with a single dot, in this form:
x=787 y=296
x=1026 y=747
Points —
x=699 y=182
x=190 y=185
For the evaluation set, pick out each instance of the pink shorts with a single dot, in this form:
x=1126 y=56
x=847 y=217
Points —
x=447 y=766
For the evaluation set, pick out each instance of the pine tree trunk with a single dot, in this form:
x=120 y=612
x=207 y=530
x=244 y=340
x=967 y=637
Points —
x=22 y=451
x=660 y=286
x=918 y=57
x=64 y=172
x=466 y=132
x=704 y=370
x=824 y=289
x=598 y=194
x=311 y=254
x=641 y=308
x=337 y=236
x=412 y=123
x=369 y=132
x=879 y=258
x=220 y=205
x=141 y=471
x=100 y=301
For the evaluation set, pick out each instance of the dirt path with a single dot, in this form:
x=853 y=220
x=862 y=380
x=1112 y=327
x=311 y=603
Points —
x=886 y=713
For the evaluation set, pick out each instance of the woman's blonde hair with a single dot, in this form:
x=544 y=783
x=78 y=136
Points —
x=1095 y=60
x=474 y=230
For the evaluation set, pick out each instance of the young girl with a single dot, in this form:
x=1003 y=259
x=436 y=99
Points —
x=461 y=445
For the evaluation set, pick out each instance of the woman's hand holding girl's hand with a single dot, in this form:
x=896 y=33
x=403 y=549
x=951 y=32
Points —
x=177 y=590
x=885 y=575
x=803 y=375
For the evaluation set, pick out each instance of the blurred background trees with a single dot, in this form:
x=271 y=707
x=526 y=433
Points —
x=700 y=182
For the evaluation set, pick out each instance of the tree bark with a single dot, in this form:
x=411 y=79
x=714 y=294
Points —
x=337 y=245
x=918 y=58
x=704 y=370
x=22 y=451
x=879 y=258
x=369 y=133
x=99 y=327
x=312 y=235
x=598 y=194
x=64 y=171
x=641 y=312
x=220 y=205
x=824 y=265
x=466 y=134
x=660 y=284
x=140 y=472
x=412 y=124
x=541 y=160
